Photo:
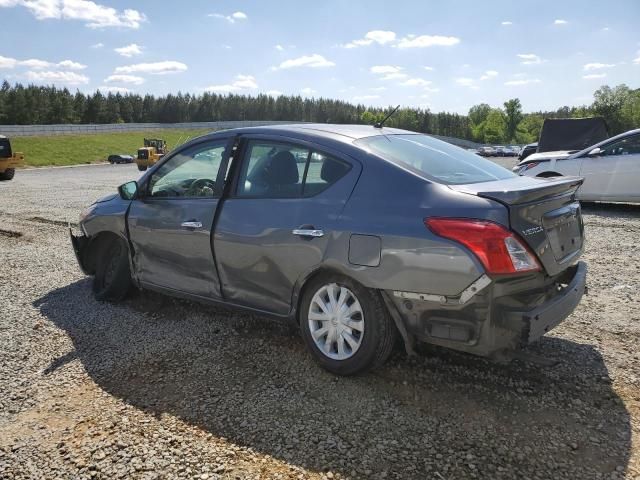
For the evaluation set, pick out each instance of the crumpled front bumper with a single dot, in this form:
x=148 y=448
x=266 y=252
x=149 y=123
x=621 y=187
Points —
x=80 y=243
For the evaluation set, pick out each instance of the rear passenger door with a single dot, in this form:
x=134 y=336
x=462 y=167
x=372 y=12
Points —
x=279 y=218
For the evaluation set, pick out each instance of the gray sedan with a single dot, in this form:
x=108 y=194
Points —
x=359 y=235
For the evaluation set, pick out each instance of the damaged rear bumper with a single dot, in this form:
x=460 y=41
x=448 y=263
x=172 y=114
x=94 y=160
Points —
x=504 y=315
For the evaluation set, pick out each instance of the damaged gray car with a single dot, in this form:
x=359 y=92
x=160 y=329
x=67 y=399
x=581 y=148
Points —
x=360 y=235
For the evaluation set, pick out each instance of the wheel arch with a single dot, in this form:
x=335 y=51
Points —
x=97 y=243
x=549 y=174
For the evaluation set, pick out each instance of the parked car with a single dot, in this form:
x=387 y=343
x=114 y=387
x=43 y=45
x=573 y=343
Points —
x=487 y=151
x=120 y=159
x=512 y=151
x=379 y=233
x=611 y=168
x=500 y=150
x=528 y=150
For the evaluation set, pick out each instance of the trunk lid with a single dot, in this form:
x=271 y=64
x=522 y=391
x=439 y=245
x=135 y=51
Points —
x=544 y=212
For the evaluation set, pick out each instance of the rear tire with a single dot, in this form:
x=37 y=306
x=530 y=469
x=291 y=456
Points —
x=355 y=312
x=142 y=169
x=8 y=174
x=112 y=280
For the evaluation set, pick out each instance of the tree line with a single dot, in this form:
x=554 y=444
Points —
x=33 y=104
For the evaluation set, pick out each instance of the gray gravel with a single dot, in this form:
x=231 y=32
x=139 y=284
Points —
x=159 y=388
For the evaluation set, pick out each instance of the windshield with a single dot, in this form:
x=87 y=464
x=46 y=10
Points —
x=437 y=160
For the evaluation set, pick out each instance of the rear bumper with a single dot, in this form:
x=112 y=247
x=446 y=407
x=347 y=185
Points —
x=540 y=320
x=12 y=162
x=80 y=243
x=506 y=315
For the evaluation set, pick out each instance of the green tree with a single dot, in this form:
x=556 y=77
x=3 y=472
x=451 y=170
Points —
x=513 y=116
x=494 y=127
x=529 y=128
x=609 y=103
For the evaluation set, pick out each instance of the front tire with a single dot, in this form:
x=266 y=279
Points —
x=8 y=174
x=141 y=168
x=112 y=280
x=346 y=326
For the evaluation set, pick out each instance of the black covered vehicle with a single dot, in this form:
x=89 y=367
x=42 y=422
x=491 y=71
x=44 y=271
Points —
x=120 y=158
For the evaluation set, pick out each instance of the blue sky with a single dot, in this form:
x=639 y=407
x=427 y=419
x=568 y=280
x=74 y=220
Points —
x=442 y=55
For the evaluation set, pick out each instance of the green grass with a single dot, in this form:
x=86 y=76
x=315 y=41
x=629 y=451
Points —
x=90 y=148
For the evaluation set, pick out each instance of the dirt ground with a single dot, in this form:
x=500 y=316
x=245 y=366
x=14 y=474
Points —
x=160 y=388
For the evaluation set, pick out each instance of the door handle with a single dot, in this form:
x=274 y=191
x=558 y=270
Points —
x=191 y=224
x=308 y=232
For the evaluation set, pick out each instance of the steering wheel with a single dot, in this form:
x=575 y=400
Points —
x=197 y=186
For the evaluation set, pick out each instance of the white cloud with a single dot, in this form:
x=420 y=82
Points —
x=467 y=82
x=124 y=79
x=313 y=61
x=598 y=66
x=242 y=82
x=364 y=98
x=7 y=62
x=489 y=74
x=395 y=76
x=415 y=82
x=378 y=89
x=381 y=37
x=384 y=69
x=236 y=16
x=97 y=45
x=429 y=69
x=507 y=22
x=36 y=64
x=637 y=59
x=516 y=83
x=156 y=68
x=280 y=48
x=113 y=89
x=49 y=76
x=529 y=58
x=560 y=22
x=308 y=91
x=71 y=65
x=129 y=51
x=273 y=93
x=424 y=41
x=593 y=76
x=92 y=14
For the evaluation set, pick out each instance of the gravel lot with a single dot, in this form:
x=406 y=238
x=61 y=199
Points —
x=159 y=388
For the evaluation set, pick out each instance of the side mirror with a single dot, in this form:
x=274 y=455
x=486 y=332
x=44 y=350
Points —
x=595 y=152
x=128 y=191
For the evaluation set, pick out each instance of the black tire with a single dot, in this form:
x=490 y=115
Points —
x=142 y=169
x=379 y=334
x=8 y=174
x=112 y=280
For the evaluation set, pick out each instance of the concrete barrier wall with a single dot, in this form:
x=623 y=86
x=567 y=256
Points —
x=70 y=129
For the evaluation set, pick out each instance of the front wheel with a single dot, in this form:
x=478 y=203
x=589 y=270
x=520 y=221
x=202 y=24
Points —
x=8 y=174
x=345 y=325
x=112 y=280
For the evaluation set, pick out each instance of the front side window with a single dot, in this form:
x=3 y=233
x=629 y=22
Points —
x=434 y=159
x=626 y=146
x=191 y=173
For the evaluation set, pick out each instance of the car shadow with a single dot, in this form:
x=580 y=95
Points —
x=250 y=380
x=617 y=210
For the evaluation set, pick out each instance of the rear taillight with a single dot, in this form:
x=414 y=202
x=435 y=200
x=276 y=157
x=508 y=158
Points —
x=530 y=165
x=499 y=250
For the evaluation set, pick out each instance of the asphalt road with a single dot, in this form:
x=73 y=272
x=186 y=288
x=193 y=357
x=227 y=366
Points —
x=160 y=388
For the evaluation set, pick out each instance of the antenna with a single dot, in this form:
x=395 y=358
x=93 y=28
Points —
x=380 y=124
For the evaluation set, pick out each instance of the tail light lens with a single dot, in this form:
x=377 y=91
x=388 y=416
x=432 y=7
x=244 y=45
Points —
x=529 y=165
x=499 y=250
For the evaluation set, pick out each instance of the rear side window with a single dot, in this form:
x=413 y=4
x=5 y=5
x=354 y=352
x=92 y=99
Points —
x=626 y=146
x=5 y=148
x=280 y=170
x=434 y=159
x=323 y=171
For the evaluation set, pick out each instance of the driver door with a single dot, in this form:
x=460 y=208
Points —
x=170 y=224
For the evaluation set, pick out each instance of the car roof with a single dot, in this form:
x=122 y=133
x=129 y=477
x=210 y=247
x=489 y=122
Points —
x=345 y=133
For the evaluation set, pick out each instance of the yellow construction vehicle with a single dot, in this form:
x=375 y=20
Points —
x=9 y=160
x=154 y=149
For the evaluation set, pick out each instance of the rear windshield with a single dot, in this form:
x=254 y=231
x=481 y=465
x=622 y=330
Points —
x=436 y=160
